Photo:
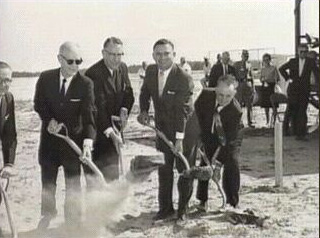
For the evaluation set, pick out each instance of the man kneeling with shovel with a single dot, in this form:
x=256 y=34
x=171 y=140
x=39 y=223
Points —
x=219 y=115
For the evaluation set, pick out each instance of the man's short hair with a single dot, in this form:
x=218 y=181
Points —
x=245 y=52
x=112 y=39
x=4 y=65
x=228 y=80
x=266 y=55
x=163 y=42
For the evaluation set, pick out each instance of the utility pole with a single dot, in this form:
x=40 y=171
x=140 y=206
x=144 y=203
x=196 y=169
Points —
x=297 y=20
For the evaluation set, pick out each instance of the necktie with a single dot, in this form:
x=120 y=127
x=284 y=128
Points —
x=217 y=127
x=63 y=88
x=161 y=82
x=226 y=69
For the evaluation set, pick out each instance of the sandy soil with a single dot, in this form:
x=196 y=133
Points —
x=126 y=208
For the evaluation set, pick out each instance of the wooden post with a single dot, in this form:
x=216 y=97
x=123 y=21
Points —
x=278 y=153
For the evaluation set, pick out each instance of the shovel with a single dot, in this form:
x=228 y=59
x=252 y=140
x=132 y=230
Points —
x=76 y=148
x=196 y=172
x=3 y=193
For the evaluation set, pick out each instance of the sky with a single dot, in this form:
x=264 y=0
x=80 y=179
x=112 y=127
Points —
x=32 y=31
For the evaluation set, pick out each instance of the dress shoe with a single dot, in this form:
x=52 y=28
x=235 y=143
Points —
x=251 y=125
x=45 y=222
x=161 y=215
x=181 y=219
x=202 y=206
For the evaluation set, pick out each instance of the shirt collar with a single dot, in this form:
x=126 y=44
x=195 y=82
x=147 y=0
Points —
x=166 y=72
x=68 y=79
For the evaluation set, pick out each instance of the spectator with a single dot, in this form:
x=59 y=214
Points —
x=269 y=77
x=297 y=72
x=185 y=66
x=245 y=91
x=223 y=68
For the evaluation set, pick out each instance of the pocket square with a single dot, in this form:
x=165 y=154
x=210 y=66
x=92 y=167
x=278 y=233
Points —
x=171 y=92
x=75 y=100
x=6 y=117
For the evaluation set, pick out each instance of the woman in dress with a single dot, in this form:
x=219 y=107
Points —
x=269 y=78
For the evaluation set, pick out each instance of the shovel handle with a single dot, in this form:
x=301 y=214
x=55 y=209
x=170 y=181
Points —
x=78 y=151
x=170 y=145
x=13 y=229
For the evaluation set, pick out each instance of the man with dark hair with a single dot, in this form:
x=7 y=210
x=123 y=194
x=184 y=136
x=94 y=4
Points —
x=223 y=68
x=245 y=90
x=297 y=72
x=113 y=97
x=64 y=97
x=219 y=116
x=171 y=90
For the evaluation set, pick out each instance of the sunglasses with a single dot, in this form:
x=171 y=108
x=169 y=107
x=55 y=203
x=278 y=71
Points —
x=71 y=61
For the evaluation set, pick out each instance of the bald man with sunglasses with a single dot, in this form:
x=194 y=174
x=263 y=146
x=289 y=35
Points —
x=64 y=97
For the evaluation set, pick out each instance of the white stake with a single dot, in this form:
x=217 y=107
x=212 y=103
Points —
x=278 y=153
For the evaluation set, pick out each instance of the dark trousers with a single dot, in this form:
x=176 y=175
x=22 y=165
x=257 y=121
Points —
x=296 y=113
x=230 y=181
x=72 y=205
x=245 y=95
x=165 y=174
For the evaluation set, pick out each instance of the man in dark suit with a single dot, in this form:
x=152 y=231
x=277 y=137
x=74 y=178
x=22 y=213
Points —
x=171 y=90
x=214 y=110
x=223 y=68
x=245 y=90
x=63 y=96
x=298 y=71
x=113 y=96
x=8 y=133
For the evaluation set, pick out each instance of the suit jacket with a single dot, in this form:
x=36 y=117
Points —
x=174 y=107
x=111 y=93
x=231 y=122
x=300 y=84
x=8 y=133
x=242 y=73
x=217 y=71
x=75 y=110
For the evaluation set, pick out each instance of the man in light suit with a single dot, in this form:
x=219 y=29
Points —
x=298 y=72
x=171 y=90
x=63 y=96
x=223 y=68
x=8 y=133
x=221 y=104
x=113 y=97
x=245 y=90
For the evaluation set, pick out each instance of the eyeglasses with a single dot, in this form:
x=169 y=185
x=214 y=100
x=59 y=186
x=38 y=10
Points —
x=71 y=61
x=114 y=54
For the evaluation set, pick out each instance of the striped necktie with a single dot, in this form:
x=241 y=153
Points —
x=217 y=127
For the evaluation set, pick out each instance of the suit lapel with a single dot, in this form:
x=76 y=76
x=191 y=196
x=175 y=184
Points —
x=71 y=86
x=108 y=83
x=170 y=79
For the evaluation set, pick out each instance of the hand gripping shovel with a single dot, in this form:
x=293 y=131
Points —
x=196 y=172
x=3 y=193
x=76 y=148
